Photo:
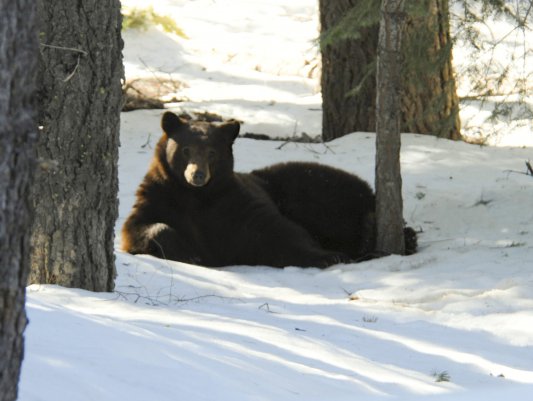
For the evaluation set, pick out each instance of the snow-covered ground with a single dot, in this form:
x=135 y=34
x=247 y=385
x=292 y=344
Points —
x=461 y=309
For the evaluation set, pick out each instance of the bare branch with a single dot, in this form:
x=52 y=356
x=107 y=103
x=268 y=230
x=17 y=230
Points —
x=72 y=49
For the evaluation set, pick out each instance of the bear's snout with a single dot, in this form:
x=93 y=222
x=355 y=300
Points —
x=197 y=175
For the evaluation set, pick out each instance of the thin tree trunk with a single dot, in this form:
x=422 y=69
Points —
x=75 y=198
x=18 y=133
x=389 y=203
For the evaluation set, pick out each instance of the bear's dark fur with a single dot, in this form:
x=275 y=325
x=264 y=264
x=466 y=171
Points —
x=192 y=207
x=335 y=207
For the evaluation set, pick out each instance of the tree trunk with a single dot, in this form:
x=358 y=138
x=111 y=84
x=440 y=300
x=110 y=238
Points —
x=389 y=204
x=346 y=65
x=75 y=198
x=18 y=133
x=430 y=104
x=429 y=99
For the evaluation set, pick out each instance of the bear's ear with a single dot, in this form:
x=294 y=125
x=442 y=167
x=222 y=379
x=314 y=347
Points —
x=171 y=123
x=229 y=130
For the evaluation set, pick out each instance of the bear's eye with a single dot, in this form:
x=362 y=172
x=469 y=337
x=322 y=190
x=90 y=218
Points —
x=186 y=151
x=212 y=155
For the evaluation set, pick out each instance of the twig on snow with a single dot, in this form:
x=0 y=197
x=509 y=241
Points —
x=266 y=307
x=529 y=168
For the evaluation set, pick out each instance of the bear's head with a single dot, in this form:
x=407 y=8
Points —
x=198 y=153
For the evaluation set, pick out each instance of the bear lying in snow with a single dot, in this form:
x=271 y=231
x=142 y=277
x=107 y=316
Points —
x=192 y=207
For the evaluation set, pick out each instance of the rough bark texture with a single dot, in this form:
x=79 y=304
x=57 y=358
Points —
x=430 y=104
x=344 y=66
x=389 y=203
x=18 y=133
x=429 y=100
x=75 y=198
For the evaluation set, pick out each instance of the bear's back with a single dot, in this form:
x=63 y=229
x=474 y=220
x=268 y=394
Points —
x=336 y=207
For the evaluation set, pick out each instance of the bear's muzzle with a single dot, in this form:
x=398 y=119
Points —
x=197 y=175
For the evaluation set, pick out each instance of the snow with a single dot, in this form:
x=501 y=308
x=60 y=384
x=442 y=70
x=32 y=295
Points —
x=462 y=307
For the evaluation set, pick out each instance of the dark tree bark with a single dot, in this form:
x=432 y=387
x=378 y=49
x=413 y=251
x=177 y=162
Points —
x=75 y=197
x=18 y=133
x=430 y=104
x=429 y=99
x=346 y=65
x=389 y=203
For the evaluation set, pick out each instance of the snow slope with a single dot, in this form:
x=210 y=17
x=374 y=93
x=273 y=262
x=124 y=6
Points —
x=463 y=305
x=461 y=309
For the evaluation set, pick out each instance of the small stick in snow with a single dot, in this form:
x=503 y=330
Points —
x=283 y=144
x=147 y=143
x=529 y=168
x=266 y=306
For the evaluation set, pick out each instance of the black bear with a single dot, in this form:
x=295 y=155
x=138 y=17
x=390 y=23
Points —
x=192 y=207
x=335 y=207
